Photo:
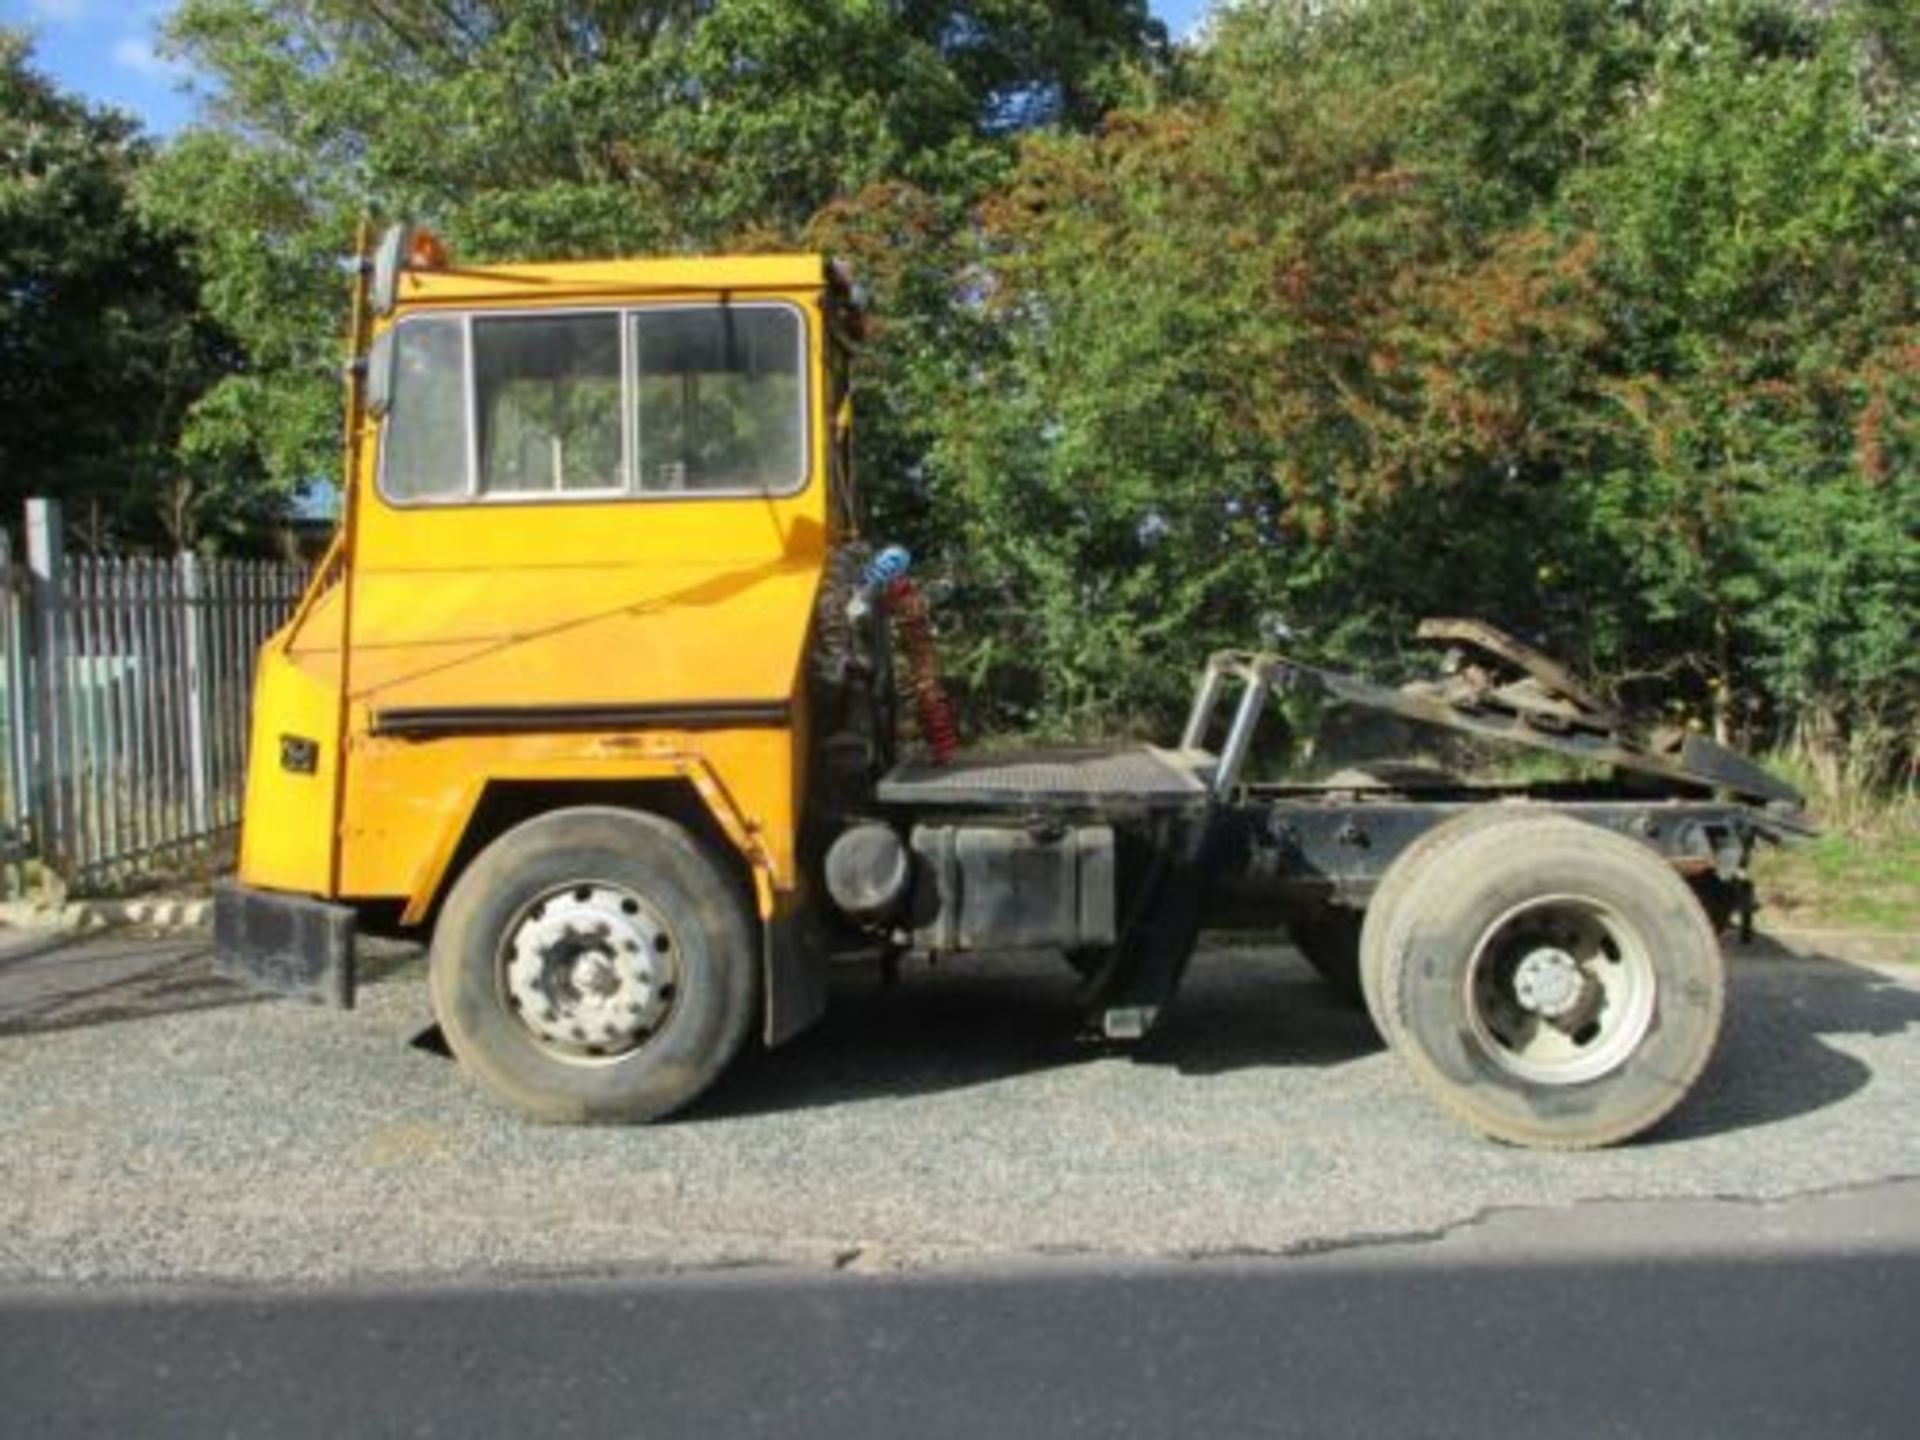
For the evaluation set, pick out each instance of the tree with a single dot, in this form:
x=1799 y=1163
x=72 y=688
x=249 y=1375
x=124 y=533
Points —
x=1759 y=248
x=102 y=350
x=1293 y=347
x=1597 y=320
x=580 y=127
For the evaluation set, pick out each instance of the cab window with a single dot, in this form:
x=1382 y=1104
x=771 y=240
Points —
x=719 y=399
x=703 y=399
x=547 y=400
x=424 y=456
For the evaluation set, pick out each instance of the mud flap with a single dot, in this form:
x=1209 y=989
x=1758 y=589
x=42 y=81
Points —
x=288 y=944
x=794 y=975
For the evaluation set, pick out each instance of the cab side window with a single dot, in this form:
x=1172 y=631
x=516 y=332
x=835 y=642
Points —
x=720 y=397
x=680 y=398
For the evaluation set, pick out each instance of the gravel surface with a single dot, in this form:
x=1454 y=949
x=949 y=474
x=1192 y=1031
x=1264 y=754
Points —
x=160 y=1126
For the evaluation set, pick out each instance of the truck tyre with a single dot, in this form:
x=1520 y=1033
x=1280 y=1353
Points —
x=1329 y=938
x=1408 y=867
x=593 y=966
x=1553 y=983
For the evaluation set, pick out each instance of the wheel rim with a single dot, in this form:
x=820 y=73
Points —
x=591 y=970
x=1560 y=990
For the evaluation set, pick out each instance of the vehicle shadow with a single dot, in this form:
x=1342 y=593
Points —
x=971 y=1024
x=1777 y=1057
x=81 y=981
x=979 y=1021
x=108 y=977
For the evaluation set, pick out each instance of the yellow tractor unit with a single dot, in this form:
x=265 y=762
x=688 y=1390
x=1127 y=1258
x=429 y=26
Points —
x=599 y=691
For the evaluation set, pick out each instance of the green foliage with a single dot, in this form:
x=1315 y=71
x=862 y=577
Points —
x=1260 y=350
x=1758 y=222
x=101 y=346
x=1596 y=319
x=1862 y=872
x=590 y=127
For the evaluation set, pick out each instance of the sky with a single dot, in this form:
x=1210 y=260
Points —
x=107 y=50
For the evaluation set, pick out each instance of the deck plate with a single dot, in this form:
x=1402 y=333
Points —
x=1140 y=775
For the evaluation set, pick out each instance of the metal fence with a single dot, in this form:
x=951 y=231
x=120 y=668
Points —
x=127 y=682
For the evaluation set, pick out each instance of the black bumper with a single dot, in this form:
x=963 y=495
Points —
x=288 y=944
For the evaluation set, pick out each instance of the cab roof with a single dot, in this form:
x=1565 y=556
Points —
x=455 y=283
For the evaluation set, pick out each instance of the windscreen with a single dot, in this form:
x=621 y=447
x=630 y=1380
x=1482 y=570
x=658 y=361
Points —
x=547 y=394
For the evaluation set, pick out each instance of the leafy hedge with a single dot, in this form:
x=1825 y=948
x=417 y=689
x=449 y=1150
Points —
x=1594 y=317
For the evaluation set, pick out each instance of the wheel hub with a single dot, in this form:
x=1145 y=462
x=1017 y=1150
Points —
x=1561 y=990
x=591 y=970
x=1549 y=982
x=594 y=975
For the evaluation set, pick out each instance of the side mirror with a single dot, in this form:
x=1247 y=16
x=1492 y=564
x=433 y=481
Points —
x=395 y=248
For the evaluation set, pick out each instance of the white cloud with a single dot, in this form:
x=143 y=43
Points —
x=60 y=12
x=131 y=52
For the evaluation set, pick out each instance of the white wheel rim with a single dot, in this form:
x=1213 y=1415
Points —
x=591 y=970
x=1560 y=990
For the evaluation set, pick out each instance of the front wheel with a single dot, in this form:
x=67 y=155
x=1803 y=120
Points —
x=1554 y=984
x=594 y=965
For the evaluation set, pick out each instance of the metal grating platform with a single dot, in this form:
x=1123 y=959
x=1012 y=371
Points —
x=1140 y=775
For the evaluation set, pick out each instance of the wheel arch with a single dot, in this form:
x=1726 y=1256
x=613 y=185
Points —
x=497 y=805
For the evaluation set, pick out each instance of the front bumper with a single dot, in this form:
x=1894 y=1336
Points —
x=289 y=944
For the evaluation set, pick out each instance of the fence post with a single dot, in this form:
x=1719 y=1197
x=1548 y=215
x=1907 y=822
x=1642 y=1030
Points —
x=17 y=644
x=192 y=652
x=47 y=580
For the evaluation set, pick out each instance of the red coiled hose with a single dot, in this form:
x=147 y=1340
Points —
x=920 y=676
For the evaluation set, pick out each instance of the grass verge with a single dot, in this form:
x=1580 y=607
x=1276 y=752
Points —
x=1848 y=879
x=1863 y=873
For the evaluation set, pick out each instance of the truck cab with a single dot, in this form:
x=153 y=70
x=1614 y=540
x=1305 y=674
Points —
x=589 y=506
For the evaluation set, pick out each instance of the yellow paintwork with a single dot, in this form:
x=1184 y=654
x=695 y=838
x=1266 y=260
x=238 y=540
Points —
x=629 y=601
x=286 y=832
x=576 y=282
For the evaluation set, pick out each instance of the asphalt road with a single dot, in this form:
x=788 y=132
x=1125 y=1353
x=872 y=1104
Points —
x=1680 y=1319
x=159 y=1126
x=938 y=1214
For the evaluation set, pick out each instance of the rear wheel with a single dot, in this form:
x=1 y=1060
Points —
x=1553 y=983
x=594 y=965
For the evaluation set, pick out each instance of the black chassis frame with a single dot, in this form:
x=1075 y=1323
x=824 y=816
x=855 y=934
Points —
x=1333 y=847
x=1234 y=855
